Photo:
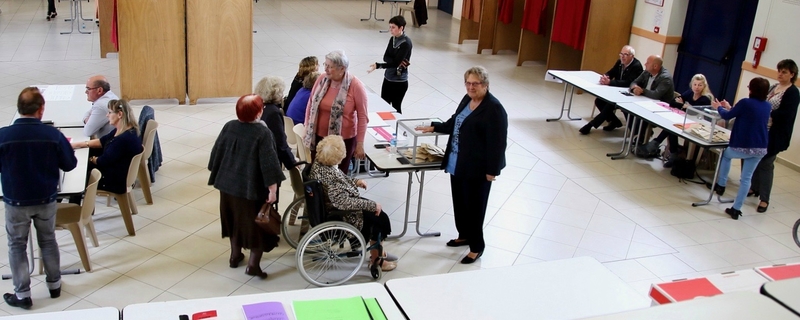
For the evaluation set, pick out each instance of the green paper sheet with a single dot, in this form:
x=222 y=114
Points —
x=331 y=309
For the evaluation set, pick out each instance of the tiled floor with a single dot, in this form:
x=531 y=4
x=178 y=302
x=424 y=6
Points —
x=559 y=197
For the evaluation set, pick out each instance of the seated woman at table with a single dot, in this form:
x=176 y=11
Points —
x=119 y=147
x=342 y=194
x=748 y=139
x=297 y=108
x=698 y=95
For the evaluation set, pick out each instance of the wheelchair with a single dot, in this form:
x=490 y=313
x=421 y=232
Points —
x=329 y=251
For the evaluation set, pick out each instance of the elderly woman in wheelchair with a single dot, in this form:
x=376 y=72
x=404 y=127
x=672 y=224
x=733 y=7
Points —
x=342 y=194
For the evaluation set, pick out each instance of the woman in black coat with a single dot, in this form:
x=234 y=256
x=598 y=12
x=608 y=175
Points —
x=474 y=157
x=784 y=97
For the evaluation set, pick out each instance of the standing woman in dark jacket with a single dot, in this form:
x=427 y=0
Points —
x=784 y=98
x=474 y=157
x=396 y=57
x=270 y=89
x=246 y=171
x=748 y=139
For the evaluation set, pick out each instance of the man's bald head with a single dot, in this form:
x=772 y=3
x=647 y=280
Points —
x=96 y=87
x=653 y=64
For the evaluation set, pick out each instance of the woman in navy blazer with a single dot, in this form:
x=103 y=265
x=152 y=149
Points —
x=474 y=157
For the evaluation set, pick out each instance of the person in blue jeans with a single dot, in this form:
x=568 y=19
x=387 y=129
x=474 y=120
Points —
x=748 y=139
x=31 y=154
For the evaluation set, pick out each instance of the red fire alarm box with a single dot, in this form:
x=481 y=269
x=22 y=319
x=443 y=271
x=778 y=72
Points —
x=759 y=45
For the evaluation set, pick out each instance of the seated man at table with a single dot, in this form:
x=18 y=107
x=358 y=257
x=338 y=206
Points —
x=98 y=91
x=31 y=155
x=655 y=82
x=622 y=74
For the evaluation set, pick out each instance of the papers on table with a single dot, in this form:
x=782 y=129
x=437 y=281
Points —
x=58 y=93
x=652 y=106
x=375 y=120
x=380 y=134
x=265 y=311
x=387 y=115
x=354 y=308
x=674 y=117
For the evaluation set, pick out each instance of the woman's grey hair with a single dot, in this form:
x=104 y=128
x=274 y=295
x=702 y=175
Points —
x=480 y=72
x=331 y=150
x=338 y=58
x=270 y=89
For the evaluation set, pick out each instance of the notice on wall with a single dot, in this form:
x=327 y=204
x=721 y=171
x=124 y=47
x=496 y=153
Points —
x=659 y=17
x=793 y=2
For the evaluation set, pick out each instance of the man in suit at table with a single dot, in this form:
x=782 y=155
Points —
x=98 y=91
x=622 y=74
x=31 y=154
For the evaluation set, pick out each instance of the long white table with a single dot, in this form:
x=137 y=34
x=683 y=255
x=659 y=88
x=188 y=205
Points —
x=65 y=105
x=589 y=81
x=735 y=305
x=230 y=308
x=562 y=289
x=784 y=292
x=107 y=313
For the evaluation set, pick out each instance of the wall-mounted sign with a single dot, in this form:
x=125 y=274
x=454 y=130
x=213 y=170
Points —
x=659 y=3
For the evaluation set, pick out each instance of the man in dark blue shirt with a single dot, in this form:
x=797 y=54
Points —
x=31 y=154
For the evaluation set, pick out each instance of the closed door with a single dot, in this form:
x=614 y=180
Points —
x=715 y=40
x=446 y=6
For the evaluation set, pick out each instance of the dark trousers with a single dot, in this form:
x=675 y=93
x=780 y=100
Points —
x=470 y=197
x=350 y=147
x=762 y=177
x=393 y=93
x=606 y=114
x=51 y=6
x=673 y=140
x=373 y=225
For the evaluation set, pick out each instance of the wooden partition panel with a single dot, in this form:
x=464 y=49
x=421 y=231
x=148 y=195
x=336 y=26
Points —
x=469 y=30
x=220 y=46
x=563 y=57
x=606 y=33
x=507 y=36
x=534 y=47
x=106 y=14
x=487 y=25
x=152 y=49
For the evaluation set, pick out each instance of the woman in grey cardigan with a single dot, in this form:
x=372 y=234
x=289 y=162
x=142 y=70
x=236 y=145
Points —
x=246 y=171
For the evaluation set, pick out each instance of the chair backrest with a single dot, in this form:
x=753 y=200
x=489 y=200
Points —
x=288 y=128
x=133 y=170
x=148 y=139
x=302 y=151
x=87 y=208
x=296 y=178
x=315 y=201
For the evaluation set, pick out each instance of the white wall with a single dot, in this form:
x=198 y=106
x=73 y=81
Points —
x=669 y=19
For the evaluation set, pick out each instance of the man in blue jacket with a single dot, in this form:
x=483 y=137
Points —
x=31 y=154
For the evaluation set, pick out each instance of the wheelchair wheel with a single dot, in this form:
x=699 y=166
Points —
x=330 y=254
x=294 y=224
x=796 y=232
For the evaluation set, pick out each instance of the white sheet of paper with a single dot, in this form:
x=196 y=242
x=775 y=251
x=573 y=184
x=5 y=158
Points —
x=375 y=120
x=652 y=106
x=59 y=93
x=674 y=117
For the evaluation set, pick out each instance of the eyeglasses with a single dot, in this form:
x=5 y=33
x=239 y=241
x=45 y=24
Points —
x=472 y=84
x=90 y=88
x=625 y=54
x=329 y=66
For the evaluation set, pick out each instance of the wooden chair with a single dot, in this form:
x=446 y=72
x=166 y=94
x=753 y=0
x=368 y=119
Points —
x=288 y=128
x=404 y=9
x=302 y=152
x=78 y=219
x=148 y=139
x=127 y=202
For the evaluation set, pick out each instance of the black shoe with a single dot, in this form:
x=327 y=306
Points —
x=12 y=300
x=764 y=208
x=752 y=193
x=468 y=260
x=55 y=293
x=457 y=243
x=720 y=190
x=735 y=214
x=233 y=262
x=585 y=129
x=612 y=126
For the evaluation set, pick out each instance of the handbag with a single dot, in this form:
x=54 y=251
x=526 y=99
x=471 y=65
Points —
x=269 y=220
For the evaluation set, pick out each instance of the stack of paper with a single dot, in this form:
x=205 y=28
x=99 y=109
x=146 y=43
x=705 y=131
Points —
x=355 y=308
x=265 y=311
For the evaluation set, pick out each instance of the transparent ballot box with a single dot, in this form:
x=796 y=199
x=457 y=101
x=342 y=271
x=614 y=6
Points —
x=704 y=122
x=416 y=147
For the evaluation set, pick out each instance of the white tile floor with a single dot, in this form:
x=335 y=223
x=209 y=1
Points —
x=559 y=197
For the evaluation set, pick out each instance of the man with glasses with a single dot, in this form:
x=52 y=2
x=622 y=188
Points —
x=622 y=74
x=98 y=91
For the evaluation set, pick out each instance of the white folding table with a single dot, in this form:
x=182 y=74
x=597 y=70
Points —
x=784 y=292
x=65 y=105
x=735 y=305
x=107 y=313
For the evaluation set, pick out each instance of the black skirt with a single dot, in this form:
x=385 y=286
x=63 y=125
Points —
x=237 y=216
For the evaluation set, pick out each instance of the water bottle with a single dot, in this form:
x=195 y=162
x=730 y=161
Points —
x=393 y=144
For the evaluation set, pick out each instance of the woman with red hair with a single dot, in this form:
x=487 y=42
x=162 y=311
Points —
x=246 y=171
